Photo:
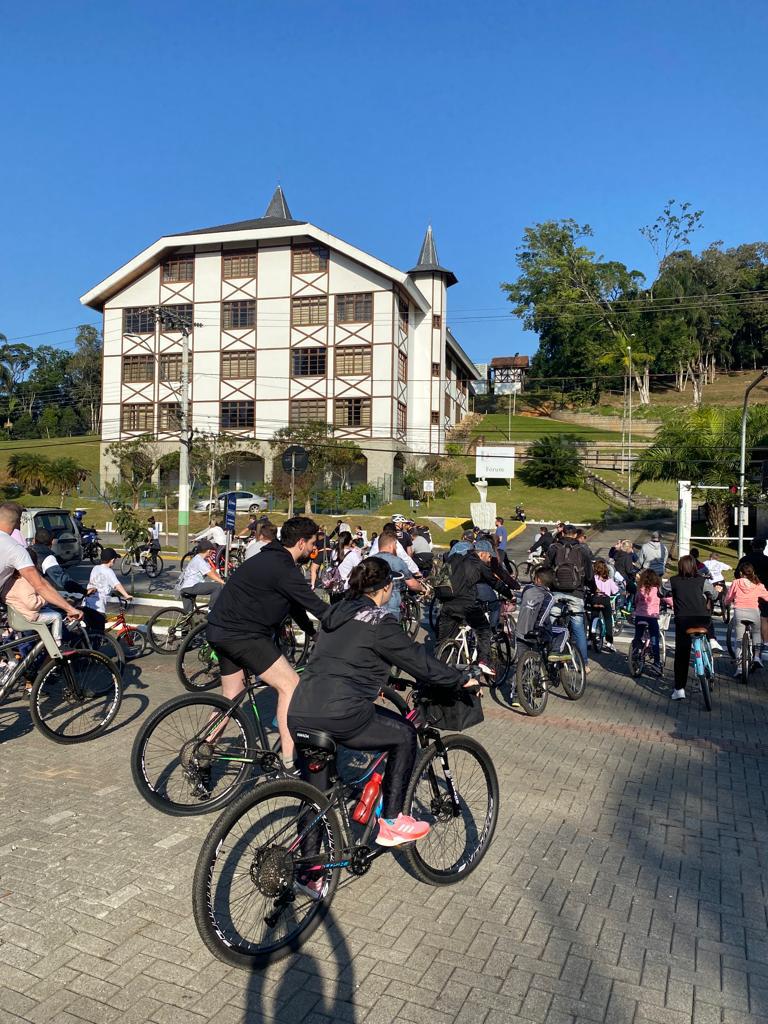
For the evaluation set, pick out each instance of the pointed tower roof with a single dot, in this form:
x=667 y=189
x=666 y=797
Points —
x=429 y=263
x=278 y=208
x=277 y=215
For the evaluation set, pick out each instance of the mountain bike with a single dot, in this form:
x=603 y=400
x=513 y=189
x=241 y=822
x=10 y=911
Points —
x=167 y=627
x=703 y=663
x=461 y=651
x=531 y=564
x=538 y=669
x=641 y=651
x=74 y=697
x=197 y=664
x=251 y=901
x=139 y=559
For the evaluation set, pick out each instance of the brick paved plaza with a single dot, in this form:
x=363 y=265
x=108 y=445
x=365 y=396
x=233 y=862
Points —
x=626 y=882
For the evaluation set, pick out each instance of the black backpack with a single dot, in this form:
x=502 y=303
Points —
x=442 y=583
x=569 y=568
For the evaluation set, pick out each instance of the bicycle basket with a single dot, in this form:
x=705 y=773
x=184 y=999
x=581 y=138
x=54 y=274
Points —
x=449 y=711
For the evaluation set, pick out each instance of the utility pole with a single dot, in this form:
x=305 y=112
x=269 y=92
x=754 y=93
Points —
x=743 y=457
x=629 y=428
x=167 y=316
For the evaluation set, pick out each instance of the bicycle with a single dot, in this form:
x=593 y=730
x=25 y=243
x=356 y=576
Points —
x=74 y=696
x=461 y=650
x=537 y=668
x=167 y=627
x=746 y=648
x=131 y=640
x=532 y=564
x=250 y=904
x=703 y=663
x=138 y=559
x=641 y=651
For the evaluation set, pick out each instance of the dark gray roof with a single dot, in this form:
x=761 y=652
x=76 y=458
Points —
x=277 y=215
x=428 y=261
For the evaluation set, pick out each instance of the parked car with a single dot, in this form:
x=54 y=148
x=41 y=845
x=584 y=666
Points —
x=60 y=524
x=246 y=502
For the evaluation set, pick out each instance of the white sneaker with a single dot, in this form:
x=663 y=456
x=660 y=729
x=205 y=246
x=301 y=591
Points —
x=715 y=645
x=678 y=695
x=609 y=647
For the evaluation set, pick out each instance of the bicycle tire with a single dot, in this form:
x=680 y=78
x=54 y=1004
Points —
x=598 y=633
x=105 y=643
x=174 y=771
x=746 y=656
x=196 y=663
x=636 y=658
x=126 y=565
x=411 y=621
x=133 y=642
x=426 y=798
x=184 y=559
x=501 y=657
x=153 y=566
x=512 y=568
x=451 y=652
x=571 y=674
x=531 y=691
x=730 y=638
x=217 y=863
x=51 y=693
x=174 y=620
x=662 y=649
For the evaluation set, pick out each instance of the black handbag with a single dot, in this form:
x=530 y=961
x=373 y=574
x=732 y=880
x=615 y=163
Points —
x=452 y=710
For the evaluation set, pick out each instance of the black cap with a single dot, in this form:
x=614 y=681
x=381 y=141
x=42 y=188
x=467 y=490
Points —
x=108 y=554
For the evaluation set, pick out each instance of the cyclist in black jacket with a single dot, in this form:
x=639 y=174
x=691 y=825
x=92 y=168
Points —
x=251 y=606
x=359 y=641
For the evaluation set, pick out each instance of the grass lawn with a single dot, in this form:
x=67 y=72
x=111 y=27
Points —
x=666 y=489
x=494 y=428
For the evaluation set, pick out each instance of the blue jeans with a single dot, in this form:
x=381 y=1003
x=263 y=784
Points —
x=578 y=629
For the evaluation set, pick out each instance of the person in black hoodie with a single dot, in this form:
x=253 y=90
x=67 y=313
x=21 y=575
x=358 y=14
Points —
x=358 y=642
x=690 y=592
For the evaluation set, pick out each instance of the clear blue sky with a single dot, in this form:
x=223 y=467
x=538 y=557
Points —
x=125 y=121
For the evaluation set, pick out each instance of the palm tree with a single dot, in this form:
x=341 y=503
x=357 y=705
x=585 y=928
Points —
x=63 y=475
x=30 y=471
x=702 y=445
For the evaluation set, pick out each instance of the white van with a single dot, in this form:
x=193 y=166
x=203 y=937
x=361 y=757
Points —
x=61 y=526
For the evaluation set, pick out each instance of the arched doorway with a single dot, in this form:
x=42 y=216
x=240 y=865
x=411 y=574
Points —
x=398 y=471
x=244 y=472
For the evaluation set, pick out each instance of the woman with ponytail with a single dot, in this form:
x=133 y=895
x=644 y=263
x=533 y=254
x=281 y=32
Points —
x=358 y=643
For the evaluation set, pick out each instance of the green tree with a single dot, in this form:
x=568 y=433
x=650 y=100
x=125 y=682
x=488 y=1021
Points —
x=137 y=461
x=325 y=455
x=130 y=527
x=30 y=471
x=63 y=475
x=553 y=461
x=85 y=373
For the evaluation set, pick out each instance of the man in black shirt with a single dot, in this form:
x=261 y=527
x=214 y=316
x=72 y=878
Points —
x=251 y=607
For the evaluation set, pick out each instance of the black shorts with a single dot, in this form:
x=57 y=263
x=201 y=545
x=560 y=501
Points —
x=254 y=653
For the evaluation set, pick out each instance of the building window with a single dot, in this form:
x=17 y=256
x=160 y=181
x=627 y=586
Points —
x=170 y=366
x=402 y=417
x=309 y=259
x=402 y=313
x=238 y=314
x=434 y=418
x=239 y=264
x=353 y=361
x=169 y=416
x=307 y=410
x=447 y=406
x=237 y=415
x=437 y=321
x=309 y=362
x=138 y=320
x=352 y=412
x=138 y=369
x=138 y=416
x=238 y=365
x=310 y=311
x=435 y=369
x=356 y=308
x=402 y=366
x=183 y=311
x=179 y=268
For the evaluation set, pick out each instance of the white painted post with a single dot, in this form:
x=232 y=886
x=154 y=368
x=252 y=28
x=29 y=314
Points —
x=684 y=511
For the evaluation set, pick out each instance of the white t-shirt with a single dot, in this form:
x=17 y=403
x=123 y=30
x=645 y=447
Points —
x=104 y=580
x=215 y=534
x=352 y=558
x=253 y=547
x=195 y=572
x=12 y=556
x=716 y=569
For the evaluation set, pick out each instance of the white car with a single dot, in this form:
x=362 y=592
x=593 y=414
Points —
x=246 y=502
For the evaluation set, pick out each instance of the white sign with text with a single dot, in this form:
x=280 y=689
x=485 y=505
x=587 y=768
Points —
x=428 y=486
x=495 y=463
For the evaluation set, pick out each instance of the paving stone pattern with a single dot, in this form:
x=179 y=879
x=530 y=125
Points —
x=626 y=882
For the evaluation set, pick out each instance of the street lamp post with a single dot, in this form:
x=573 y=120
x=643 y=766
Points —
x=743 y=457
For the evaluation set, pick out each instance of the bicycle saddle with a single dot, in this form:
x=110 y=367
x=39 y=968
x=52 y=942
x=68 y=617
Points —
x=697 y=631
x=312 y=742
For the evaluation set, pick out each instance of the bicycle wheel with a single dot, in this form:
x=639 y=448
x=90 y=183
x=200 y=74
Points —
x=167 y=628
x=746 y=656
x=153 y=567
x=512 y=567
x=501 y=657
x=598 y=633
x=197 y=665
x=286 y=641
x=410 y=616
x=105 y=643
x=75 y=697
x=133 y=642
x=452 y=653
x=662 y=649
x=730 y=638
x=637 y=657
x=571 y=674
x=461 y=829
x=177 y=770
x=184 y=559
x=248 y=907
x=531 y=684
x=126 y=564
x=707 y=675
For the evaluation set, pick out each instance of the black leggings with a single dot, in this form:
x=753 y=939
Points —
x=683 y=644
x=387 y=732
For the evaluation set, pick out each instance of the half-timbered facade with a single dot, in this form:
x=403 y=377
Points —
x=291 y=325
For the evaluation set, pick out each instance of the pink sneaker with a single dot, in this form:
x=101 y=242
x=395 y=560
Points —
x=402 y=829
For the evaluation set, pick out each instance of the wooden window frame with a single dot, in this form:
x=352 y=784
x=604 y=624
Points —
x=227 y=308
x=168 y=427
x=312 y=303
x=434 y=418
x=132 y=407
x=189 y=316
x=317 y=354
x=238 y=356
x=355 y=299
x=437 y=321
x=403 y=313
x=354 y=352
x=436 y=370
x=309 y=259
x=297 y=417
x=143 y=316
x=182 y=260
x=402 y=366
x=172 y=358
x=239 y=402
x=135 y=359
x=249 y=255
x=347 y=406
x=402 y=418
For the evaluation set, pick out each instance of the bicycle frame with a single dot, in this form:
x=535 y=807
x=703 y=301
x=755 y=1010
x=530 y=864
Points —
x=210 y=731
x=702 y=656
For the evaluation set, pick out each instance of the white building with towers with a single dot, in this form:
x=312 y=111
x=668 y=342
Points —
x=292 y=325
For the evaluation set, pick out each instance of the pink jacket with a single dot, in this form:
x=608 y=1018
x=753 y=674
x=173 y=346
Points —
x=607 y=587
x=743 y=594
x=648 y=602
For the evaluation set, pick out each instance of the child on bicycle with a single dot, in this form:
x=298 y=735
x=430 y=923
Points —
x=101 y=583
x=605 y=589
x=534 y=613
x=745 y=594
x=691 y=594
x=648 y=600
